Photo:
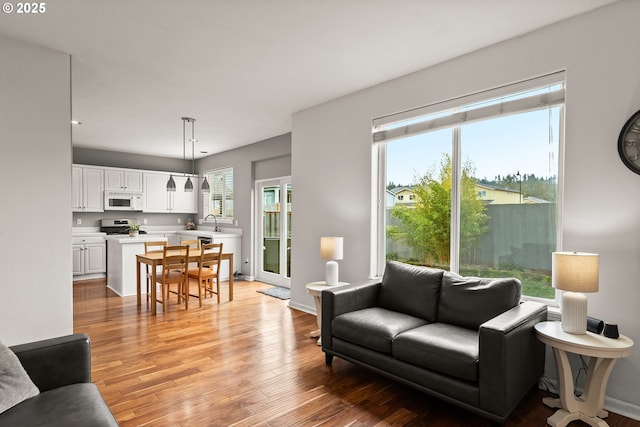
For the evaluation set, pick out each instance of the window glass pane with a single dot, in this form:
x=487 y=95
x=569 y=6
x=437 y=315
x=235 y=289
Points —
x=508 y=200
x=418 y=199
x=271 y=229
x=220 y=201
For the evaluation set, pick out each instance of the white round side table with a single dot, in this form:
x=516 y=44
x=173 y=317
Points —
x=315 y=289
x=603 y=351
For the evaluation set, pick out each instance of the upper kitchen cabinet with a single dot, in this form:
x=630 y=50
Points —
x=123 y=180
x=87 y=189
x=158 y=199
x=185 y=202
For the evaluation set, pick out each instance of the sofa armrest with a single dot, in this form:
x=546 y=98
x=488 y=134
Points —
x=511 y=356
x=56 y=362
x=344 y=299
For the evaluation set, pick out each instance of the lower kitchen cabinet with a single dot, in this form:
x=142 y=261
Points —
x=89 y=257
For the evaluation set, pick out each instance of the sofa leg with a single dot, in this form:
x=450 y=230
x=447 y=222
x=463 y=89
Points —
x=328 y=358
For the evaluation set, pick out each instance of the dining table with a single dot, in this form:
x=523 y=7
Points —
x=154 y=259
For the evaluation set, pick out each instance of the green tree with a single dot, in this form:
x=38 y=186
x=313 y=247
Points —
x=425 y=226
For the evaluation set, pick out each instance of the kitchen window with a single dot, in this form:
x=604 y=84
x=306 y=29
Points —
x=220 y=200
x=484 y=175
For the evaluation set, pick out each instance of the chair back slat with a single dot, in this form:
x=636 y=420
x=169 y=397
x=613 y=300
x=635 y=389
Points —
x=174 y=259
x=210 y=257
x=154 y=247
x=194 y=243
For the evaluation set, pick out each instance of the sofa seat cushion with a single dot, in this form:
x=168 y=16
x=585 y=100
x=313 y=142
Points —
x=373 y=328
x=72 y=405
x=440 y=347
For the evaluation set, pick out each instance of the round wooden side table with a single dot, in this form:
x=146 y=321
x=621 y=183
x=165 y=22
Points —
x=604 y=353
x=315 y=289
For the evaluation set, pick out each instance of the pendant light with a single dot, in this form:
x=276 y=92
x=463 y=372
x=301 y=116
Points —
x=205 y=185
x=171 y=184
x=188 y=185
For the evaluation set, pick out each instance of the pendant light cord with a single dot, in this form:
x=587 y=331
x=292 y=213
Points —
x=193 y=151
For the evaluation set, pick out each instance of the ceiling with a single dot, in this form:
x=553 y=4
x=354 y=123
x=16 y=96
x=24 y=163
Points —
x=241 y=68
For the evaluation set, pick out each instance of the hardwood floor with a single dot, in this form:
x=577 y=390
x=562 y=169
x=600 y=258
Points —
x=247 y=362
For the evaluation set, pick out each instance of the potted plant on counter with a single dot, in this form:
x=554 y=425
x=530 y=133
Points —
x=133 y=230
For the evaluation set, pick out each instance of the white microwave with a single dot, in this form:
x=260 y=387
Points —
x=122 y=201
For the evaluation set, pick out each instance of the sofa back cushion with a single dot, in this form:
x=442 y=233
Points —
x=471 y=301
x=411 y=289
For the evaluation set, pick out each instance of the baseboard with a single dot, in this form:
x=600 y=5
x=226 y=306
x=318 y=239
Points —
x=84 y=277
x=623 y=408
x=617 y=406
x=302 y=307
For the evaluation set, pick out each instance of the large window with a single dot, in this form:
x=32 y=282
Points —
x=479 y=180
x=220 y=199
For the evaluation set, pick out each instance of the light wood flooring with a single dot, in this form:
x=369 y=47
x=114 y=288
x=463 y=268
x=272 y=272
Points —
x=247 y=362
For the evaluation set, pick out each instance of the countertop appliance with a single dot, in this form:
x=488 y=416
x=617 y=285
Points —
x=117 y=226
x=122 y=201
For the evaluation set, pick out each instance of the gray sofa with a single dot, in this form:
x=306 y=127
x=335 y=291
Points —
x=61 y=369
x=468 y=341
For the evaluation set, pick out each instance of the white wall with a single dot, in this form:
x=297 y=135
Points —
x=331 y=161
x=263 y=159
x=35 y=172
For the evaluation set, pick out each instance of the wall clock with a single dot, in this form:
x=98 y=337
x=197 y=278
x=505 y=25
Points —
x=629 y=143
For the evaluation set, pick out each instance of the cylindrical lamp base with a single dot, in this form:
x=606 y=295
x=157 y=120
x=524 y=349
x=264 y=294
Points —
x=331 y=273
x=574 y=313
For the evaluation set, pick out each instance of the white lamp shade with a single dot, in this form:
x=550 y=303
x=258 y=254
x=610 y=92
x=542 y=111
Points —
x=331 y=248
x=575 y=271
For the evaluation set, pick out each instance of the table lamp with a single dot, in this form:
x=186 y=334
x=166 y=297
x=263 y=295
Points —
x=574 y=273
x=331 y=250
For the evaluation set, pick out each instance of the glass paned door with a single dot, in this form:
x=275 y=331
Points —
x=274 y=241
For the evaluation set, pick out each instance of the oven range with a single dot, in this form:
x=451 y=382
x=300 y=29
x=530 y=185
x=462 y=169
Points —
x=117 y=226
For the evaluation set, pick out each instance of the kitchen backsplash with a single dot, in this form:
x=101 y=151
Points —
x=92 y=219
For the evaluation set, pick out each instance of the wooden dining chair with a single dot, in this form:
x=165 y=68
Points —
x=195 y=243
x=174 y=272
x=208 y=270
x=153 y=247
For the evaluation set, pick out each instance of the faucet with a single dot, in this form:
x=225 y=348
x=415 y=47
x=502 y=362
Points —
x=216 y=228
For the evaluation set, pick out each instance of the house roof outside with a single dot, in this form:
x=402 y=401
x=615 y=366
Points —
x=492 y=198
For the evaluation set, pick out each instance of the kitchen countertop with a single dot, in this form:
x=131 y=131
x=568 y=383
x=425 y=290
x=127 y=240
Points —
x=87 y=232
x=196 y=233
x=124 y=239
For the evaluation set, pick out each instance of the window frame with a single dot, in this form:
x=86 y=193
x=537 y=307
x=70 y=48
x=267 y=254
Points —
x=207 y=200
x=379 y=178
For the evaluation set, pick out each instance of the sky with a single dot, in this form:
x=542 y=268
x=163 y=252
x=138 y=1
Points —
x=500 y=146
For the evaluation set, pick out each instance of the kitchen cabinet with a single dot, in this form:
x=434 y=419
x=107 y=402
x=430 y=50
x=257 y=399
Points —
x=89 y=256
x=121 y=269
x=172 y=239
x=185 y=202
x=157 y=199
x=231 y=243
x=170 y=236
x=181 y=236
x=123 y=180
x=87 y=189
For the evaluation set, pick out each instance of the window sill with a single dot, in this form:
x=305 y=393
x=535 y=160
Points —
x=553 y=313
x=220 y=221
